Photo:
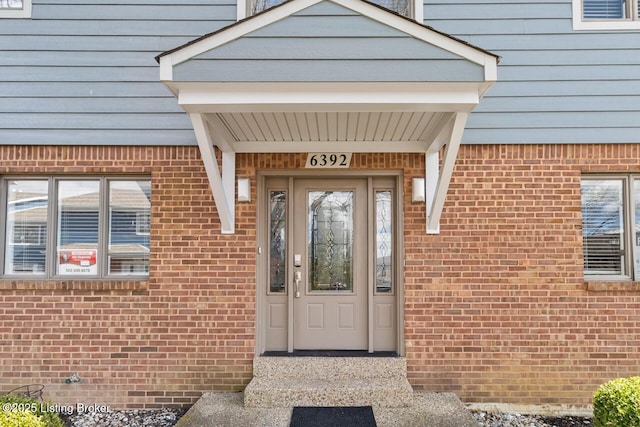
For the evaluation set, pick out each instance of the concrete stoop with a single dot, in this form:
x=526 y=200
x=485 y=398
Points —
x=227 y=410
x=328 y=381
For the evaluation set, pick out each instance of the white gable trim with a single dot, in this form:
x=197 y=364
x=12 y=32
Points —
x=419 y=31
x=475 y=55
x=417 y=9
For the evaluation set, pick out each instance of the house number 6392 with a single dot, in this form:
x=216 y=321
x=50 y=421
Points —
x=328 y=160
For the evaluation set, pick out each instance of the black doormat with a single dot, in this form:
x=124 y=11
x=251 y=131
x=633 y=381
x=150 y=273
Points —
x=334 y=416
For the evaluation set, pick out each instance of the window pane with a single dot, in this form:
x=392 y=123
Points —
x=277 y=241
x=605 y=9
x=398 y=6
x=26 y=232
x=258 y=6
x=11 y=4
x=78 y=224
x=129 y=226
x=330 y=248
x=603 y=227
x=384 y=242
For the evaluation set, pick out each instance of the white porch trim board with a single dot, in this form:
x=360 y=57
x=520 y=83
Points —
x=437 y=179
x=222 y=185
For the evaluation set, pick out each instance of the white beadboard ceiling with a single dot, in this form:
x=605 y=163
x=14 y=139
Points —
x=329 y=126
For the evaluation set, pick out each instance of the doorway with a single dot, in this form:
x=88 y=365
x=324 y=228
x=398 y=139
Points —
x=328 y=271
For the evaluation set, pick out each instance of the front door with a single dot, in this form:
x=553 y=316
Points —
x=330 y=264
x=328 y=271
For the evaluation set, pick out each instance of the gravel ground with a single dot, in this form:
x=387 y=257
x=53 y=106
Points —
x=133 y=418
x=169 y=417
x=492 y=419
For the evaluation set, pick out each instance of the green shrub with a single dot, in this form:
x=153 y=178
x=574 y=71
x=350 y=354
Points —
x=20 y=419
x=18 y=404
x=617 y=403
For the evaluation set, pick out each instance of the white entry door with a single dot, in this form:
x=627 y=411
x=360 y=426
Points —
x=330 y=264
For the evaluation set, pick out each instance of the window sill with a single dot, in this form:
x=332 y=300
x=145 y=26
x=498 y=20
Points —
x=127 y=285
x=618 y=286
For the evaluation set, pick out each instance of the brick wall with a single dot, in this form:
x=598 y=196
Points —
x=496 y=305
x=188 y=329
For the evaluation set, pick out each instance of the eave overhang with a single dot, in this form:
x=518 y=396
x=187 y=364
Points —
x=351 y=108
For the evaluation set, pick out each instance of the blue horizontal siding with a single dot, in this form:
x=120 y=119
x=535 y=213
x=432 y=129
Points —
x=328 y=71
x=327 y=42
x=109 y=136
x=554 y=84
x=83 y=72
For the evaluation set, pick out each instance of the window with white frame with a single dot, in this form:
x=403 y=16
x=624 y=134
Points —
x=15 y=8
x=402 y=7
x=605 y=14
x=69 y=227
x=611 y=227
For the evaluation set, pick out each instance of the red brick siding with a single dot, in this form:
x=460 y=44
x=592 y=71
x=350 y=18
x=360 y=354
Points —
x=496 y=305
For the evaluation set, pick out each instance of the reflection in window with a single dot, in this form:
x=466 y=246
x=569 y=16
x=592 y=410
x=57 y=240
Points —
x=26 y=227
x=606 y=9
x=129 y=225
x=277 y=241
x=78 y=227
x=330 y=237
x=603 y=227
x=399 y=6
x=87 y=225
x=384 y=242
x=11 y=4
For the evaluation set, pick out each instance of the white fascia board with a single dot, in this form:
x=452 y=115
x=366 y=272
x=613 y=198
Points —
x=418 y=31
x=295 y=97
x=330 y=146
x=166 y=71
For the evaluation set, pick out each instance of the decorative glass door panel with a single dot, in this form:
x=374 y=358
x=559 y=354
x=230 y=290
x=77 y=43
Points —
x=330 y=245
x=330 y=277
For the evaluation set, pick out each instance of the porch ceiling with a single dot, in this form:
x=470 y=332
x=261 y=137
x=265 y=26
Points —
x=324 y=131
x=322 y=116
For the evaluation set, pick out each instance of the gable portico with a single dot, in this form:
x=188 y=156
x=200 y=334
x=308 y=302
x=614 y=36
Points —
x=311 y=76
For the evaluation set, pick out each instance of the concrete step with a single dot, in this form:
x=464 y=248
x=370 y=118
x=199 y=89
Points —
x=330 y=367
x=328 y=381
